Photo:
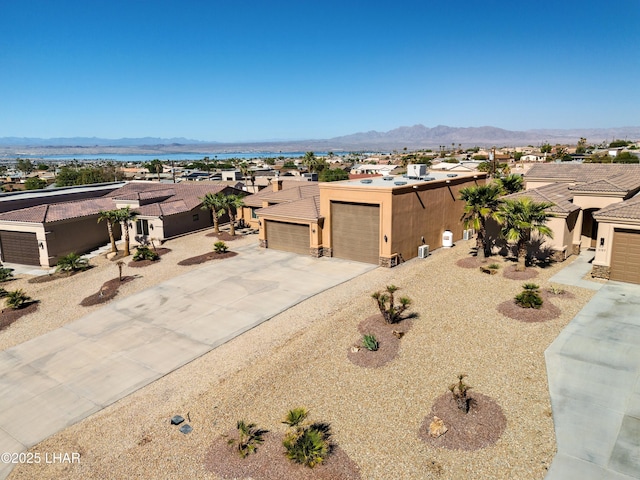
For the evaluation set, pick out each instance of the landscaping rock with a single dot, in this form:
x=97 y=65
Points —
x=437 y=428
x=186 y=428
x=177 y=420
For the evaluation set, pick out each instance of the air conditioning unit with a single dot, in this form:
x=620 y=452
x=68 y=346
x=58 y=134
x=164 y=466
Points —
x=423 y=251
x=467 y=234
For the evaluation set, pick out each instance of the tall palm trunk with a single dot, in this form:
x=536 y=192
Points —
x=522 y=256
x=216 y=222
x=125 y=226
x=481 y=254
x=114 y=248
x=232 y=222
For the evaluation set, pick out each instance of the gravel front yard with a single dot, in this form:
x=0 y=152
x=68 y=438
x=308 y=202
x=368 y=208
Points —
x=300 y=358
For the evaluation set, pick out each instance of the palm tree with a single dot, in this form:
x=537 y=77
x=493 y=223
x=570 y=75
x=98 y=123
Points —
x=248 y=172
x=72 y=263
x=482 y=203
x=124 y=216
x=310 y=161
x=519 y=218
x=215 y=203
x=510 y=184
x=110 y=217
x=232 y=204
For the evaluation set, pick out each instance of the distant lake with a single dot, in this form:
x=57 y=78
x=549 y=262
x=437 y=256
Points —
x=168 y=156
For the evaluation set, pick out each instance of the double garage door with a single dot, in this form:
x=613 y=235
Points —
x=625 y=256
x=19 y=247
x=355 y=231
x=290 y=237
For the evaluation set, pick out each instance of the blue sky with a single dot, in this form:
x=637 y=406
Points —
x=238 y=70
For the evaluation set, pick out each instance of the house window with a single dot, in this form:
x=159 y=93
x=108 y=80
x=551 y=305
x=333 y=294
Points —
x=196 y=217
x=142 y=227
x=253 y=213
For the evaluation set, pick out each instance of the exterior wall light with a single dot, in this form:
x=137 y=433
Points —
x=385 y=239
x=602 y=241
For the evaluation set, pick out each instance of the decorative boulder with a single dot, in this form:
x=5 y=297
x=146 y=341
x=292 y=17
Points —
x=437 y=428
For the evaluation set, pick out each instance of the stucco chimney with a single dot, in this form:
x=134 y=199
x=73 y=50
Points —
x=277 y=185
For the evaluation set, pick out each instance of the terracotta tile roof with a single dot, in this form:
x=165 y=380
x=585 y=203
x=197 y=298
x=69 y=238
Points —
x=184 y=198
x=557 y=193
x=621 y=183
x=58 y=211
x=627 y=210
x=294 y=190
x=304 y=209
x=578 y=173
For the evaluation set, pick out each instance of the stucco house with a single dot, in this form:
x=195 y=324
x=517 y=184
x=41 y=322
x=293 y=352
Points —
x=41 y=234
x=380 y=220
x=596 y=207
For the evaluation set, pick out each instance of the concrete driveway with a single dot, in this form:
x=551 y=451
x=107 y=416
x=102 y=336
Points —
x=56 y=380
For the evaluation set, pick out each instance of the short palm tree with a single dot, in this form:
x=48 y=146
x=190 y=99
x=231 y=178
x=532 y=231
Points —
x=72 y=263
x=482 y=204
x=110 y=217
x=519 y=219
x=17 y=299
x=510 y=184
x=232 y=204
x=125 y=215
x=216 y=203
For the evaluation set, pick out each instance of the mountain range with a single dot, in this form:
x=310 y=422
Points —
x=411 y=138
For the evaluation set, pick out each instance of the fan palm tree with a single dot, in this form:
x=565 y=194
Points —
x=109 y=216
x=125 y=215
x=232 y=204
x=519 y=218
x=510 y=184
x=216 y=203
x=482 y=203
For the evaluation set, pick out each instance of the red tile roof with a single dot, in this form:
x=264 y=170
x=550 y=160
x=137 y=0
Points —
x=627 y=210
x=303 y=209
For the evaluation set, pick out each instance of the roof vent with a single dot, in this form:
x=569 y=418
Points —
x=428 y=179
x=387 y=178
x=400 y=183
x=366 y=180
x=452 y=175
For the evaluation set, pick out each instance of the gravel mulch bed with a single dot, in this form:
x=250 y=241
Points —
x=297 y=358
x=480 y=428
x=52 y=277
x=206 y=257
x=269 y=462
x=107 y=292
x=472 y=262
x=389 y=343
x=511 y=273
x=146 y=263
x=225 y=236
x=10 y=315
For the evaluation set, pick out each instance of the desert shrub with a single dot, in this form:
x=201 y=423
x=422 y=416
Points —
x=220 y=247
x=556 y=290
x=391 y=312
x=459 y=391
x=307 y=444
x=370 y=343
x=5 y=274
x=145 y=253
x=494 y=266
x=16 y=299
x=249 y=437
x=529 y=297
x=72 y=263
x=3 y=293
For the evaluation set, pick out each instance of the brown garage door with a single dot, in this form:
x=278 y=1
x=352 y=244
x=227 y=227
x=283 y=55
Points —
x=355 y=231
x=290 y=237
x=19 y=247
x=625 y=257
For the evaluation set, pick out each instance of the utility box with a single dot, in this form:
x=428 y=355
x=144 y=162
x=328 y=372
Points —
x=416 y=170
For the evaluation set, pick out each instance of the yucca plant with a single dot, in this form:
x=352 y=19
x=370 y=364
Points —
x=370 y=343
x=145 y=253
x=306 y=444
x=16 y=299
x=220 y=247
x=249 y=437
x=72 y=263
x=529 y=297
x=391 y=312
x=459 y=391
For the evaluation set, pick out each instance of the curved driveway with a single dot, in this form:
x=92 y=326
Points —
x=57 y=379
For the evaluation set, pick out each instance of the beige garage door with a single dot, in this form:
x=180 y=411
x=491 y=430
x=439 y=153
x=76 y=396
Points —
x=290 y=237
x=625 y=257
x=19 y=247
x=355 y=231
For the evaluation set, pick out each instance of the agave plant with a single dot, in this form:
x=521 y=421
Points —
x=370 y=343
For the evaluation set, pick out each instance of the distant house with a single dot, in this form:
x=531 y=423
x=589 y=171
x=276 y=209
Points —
x=41 y=234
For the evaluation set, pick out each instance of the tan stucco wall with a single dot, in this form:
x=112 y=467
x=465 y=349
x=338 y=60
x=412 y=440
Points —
x=76 y=235
x=594 y=201
x=184 y=223
x=606 y=231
